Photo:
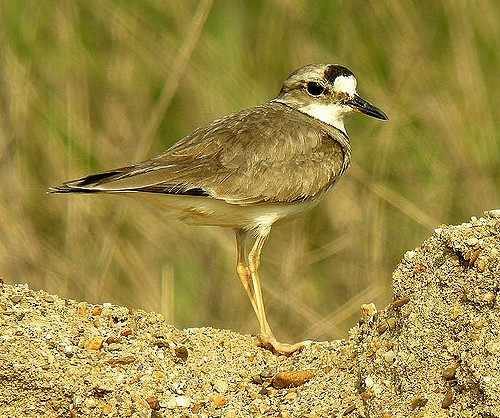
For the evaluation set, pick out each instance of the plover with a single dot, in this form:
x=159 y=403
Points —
x=250 y=169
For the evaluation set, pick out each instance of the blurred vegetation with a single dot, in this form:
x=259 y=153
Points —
x=91 y=85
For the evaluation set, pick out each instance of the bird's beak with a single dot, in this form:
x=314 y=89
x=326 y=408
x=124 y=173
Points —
x=367 y=108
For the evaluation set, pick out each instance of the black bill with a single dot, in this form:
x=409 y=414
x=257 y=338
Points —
x=367 y=108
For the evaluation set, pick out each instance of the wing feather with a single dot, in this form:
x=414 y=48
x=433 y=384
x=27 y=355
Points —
x=244 y=158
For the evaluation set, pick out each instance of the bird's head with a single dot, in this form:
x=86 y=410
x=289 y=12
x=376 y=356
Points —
x=326 y=92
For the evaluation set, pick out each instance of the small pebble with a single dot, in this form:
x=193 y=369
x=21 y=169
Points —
x=178 y=402
x=449 y=372
x=381 y=328
x=448 y=399
x=114 y=347
x=68 y=350
x=106 y=409
x=418 y=402
x=493 y=346
x=409 y=255
x=472 y=242
x=268 y=372
x=391 y=322
x=374 y=387
x=15 y=299
x=221 y=386
x=257 y=379
x=218 y=400
x=181 y=352
x=368 y=311
x=121 y=360
x=153 y=403
x=292 y=379
x=389 y=356
x=400 y=302
x=489 y=297
x=95 y=343
x=113 y=339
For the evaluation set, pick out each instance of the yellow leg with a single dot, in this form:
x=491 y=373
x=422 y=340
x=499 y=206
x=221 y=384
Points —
x=242 y=268
x=254 y=264
x=266 y=337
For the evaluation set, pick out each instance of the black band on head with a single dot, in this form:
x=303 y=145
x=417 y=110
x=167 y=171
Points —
x=334 y=71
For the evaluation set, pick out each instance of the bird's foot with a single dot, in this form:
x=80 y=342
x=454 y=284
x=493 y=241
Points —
x=270 y=343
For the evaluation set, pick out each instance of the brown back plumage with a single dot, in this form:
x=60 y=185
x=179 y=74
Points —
x=268 y=153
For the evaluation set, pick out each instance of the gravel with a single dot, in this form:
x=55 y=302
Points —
x=433 y=352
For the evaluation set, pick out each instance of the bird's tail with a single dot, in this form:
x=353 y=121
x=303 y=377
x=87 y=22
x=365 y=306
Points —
x=87 y=184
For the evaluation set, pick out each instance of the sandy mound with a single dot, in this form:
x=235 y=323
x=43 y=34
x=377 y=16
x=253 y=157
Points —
x=435 y=351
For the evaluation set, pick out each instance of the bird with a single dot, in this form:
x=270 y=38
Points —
x=251 y=169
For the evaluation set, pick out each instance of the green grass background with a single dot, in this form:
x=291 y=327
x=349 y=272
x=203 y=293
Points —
x=91 y=85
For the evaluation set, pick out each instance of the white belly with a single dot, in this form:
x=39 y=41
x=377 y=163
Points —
x=198 y=210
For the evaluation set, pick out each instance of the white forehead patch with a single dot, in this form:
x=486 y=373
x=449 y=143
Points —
x=345 y=84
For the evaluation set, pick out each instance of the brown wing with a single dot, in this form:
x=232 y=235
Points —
x=266 y=153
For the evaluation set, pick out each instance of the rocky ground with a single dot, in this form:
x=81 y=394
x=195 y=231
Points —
x=433 y=352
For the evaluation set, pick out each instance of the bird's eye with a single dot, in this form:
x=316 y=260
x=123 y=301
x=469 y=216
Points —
x=315 y=89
